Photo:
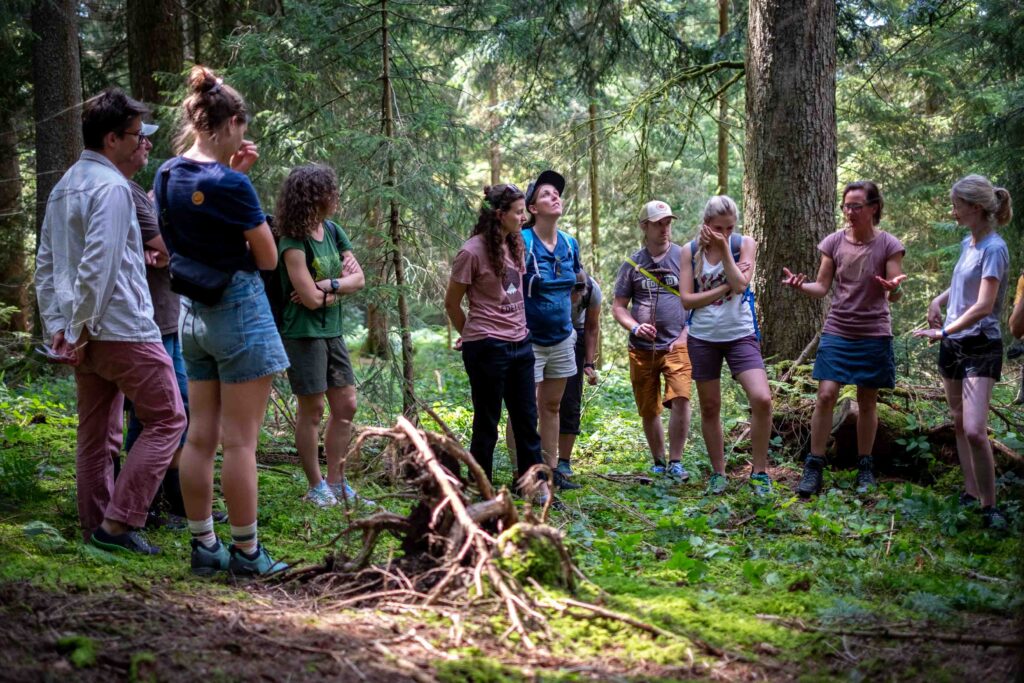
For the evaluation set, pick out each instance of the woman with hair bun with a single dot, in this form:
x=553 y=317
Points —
x=971 y=349
x=496 y=347
x=319 y=268
x=219 y=239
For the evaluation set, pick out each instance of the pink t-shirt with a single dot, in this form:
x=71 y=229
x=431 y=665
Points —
x=496 y=308
x=859 y=305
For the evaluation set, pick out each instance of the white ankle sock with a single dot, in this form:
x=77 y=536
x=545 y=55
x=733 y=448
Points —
x=202 y=531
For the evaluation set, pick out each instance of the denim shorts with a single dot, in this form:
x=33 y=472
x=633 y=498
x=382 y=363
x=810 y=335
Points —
x=234 y=340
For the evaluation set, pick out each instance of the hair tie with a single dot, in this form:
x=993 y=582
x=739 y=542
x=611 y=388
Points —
x=216 y=86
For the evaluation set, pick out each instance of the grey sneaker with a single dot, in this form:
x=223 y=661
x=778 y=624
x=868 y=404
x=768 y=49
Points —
x=322 y=496
x=258 y=564
x=209 y=561
x=343 y=490
x=762 y=484
x=717 y=484
x=565 y=468
x=676 y=469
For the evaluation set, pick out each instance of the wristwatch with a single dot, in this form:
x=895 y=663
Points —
x=944 y=333
x=635 y=328
x=588 y=365
x=335 y=284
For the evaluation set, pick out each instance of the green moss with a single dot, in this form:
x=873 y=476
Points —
x=478 y=670
x=81 y=650
x=533 y=557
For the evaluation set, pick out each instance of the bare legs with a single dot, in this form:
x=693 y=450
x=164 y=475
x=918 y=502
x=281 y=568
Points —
x=549 y=401
x=231 y=414
x=678 y=430
x=308 y=417
x=968 y=403
x=759 y=395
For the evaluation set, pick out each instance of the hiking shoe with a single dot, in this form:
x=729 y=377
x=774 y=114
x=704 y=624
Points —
x=717 y=484
x=130 y=541
x=967 y=500
x=761 y=483
x=556 y=504
x=209 y=561
x=565 y=468
x=258 y=564
x=343 y=490
x=322 y=496
x=865 y=475
x=658 y=469
x=563 y=483
x=993 y=518
x=812 y=479
x=676 y=469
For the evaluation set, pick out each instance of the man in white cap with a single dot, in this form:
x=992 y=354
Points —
x=647 y=304
x=96 y=310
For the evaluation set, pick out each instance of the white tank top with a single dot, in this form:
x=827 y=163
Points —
x=726 y=319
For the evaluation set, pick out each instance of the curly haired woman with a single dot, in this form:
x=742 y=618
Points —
x=319 y=269
x=496 y=348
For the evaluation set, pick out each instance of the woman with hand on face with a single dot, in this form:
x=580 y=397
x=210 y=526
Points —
x=218 y=239
x=496 y=348
x=866 y=265
x=715 y=271
x=971 y=351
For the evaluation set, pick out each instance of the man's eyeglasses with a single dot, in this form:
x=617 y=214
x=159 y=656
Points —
x=138 y=134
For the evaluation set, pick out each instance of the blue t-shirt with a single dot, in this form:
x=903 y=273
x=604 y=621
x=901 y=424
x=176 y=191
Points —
x=549 y=278
x=987 y=258
x=209 y=208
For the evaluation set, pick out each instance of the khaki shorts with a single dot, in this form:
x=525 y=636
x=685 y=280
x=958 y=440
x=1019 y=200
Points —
x=646 y=369
x=555 y=362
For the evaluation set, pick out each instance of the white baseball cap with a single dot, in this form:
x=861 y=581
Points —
x=655 y=210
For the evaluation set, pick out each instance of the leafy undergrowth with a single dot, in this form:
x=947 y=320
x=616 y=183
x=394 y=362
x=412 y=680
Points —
x=747 y=587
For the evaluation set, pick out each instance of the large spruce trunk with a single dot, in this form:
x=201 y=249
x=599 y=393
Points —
x=154 y=45
x=790 y=158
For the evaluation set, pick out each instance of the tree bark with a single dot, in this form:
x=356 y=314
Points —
x=376 y=343
x=154 y=45
x=57 y=91
x=398 y=260
x=495 y=121
x=790 y=158
x=723 y=108
x=12 y=227
x=595 y=195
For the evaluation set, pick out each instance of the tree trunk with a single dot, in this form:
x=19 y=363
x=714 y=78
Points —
x=723 y=102
x=376 y=343
x=57 y=90
x=154 y=45
x=12 y=228
x=595 y=201
x=790 y=184
x=495 y=148
x=398 y=261
x=195 y=30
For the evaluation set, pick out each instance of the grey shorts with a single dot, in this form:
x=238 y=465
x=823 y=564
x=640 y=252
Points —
x=555 y=362
x=318 y=365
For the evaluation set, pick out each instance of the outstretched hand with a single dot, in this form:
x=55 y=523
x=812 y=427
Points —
x=890 y=285
x=794 y=280
x=931 y=334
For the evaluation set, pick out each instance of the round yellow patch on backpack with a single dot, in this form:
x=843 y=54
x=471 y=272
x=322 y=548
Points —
x=198 y=198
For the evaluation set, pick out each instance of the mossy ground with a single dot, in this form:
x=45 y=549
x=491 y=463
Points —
x=734 y=572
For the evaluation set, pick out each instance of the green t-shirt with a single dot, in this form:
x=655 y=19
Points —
x=298 y=321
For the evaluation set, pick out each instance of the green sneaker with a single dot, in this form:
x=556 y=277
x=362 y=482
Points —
x=565 y=468
x=130 y=541
x=717 y=484
x=258 y=564
x=762 y=484
x=209 y=561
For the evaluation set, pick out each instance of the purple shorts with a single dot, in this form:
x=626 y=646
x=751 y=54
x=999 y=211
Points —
x=706 y=357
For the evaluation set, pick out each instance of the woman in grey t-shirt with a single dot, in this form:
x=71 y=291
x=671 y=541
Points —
x=971 y=351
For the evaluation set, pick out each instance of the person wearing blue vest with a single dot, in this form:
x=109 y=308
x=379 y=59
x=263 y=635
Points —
x=552 y=269
x=715 y=273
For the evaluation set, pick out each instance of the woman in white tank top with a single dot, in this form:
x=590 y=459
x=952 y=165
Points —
x=714 y=282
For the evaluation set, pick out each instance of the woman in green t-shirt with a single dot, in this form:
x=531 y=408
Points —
x=317 y=269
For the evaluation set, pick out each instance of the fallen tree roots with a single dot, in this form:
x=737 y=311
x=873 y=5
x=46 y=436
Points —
x=456 y=549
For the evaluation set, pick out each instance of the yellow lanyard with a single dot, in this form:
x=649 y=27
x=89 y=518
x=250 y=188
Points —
x=651 y=277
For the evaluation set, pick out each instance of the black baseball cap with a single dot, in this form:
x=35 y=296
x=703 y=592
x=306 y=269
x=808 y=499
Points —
x=548 y=177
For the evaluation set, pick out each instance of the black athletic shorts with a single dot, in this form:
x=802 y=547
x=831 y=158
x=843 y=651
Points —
x=974 y=356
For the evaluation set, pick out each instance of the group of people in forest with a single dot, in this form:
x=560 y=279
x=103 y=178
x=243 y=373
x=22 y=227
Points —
x=157 y=300
x=689 y=307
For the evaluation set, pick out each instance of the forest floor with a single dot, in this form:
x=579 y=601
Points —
x=897 y=584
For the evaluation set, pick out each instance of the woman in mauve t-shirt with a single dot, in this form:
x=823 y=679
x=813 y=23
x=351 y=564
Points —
x=496 y=348
x=866 y=265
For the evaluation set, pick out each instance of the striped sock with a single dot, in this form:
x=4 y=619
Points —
x=202 y=531
x=245 y=538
